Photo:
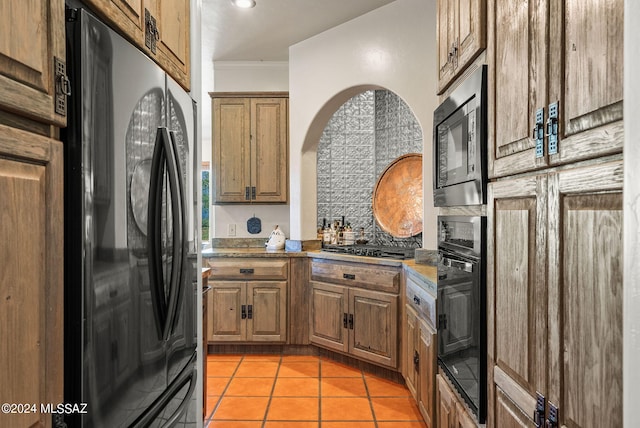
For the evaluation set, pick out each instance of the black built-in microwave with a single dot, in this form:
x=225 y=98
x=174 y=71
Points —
x=460 y=144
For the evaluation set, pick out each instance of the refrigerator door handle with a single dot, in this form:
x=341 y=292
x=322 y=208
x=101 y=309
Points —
x=174 y=172
x=154 y=240
x=191 y=378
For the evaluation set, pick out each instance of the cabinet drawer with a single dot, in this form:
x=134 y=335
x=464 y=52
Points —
x=369 y=276
x=248 y=269
x=421 y=301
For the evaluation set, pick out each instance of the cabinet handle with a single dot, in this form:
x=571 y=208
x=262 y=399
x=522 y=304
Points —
x=344 y=320
x=244 y=312
x=552 y=420
x=250 y=311
x=416 y=361
x=253 y=192
x=348 y=276
x=246 y=271
x=246 y=193
x=538 y=413
x=351 y=321
x=416 y=300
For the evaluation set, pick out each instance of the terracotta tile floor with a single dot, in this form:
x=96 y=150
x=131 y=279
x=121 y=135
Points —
x=273 y=391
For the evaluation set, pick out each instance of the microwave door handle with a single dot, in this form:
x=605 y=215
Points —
x=456 y=264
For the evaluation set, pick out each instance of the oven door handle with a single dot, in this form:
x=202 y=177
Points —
x=456 y=264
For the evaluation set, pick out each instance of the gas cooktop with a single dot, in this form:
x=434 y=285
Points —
x=387 y=252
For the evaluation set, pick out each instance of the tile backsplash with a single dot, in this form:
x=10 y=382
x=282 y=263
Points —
x=360 y=140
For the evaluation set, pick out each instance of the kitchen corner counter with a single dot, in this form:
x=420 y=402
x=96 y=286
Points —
x=425 y=275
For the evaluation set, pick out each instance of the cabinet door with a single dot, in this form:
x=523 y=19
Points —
x=446 y=402
x=328 y=317
x=126 y=15
x=227 y=322
x=517 y=56
x=267 y=311
x=463 y=419
x=31 y=283
x=461 y=37
x=411 y=349
x=446 y=38
x=231 y=150
x=269 y=147
x=373 y=335
x=589 y=37
x=471 y=27
x=427 y=378
x=509 y=414
x=31 y=35
x=517 y=293
x=172 y=19
x=585 y=295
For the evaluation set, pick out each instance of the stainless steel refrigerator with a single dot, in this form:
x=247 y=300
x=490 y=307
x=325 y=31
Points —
x=130 y=286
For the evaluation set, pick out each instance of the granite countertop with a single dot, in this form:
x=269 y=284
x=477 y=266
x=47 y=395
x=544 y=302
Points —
x=249 y=252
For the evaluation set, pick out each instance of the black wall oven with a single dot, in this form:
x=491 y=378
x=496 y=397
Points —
x=461 y=307
x=460 y=144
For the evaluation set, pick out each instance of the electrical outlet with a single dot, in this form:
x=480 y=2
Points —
x=232 y=229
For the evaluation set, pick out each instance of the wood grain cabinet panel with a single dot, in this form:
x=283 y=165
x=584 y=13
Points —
x=446 y=402
x=31 y=283
x=248 y=300
x=250 y=147
x=171 y=36
x=427 y=368
x=543 y=336
x=461 y=37
x=31 y=35
x=564 y=52
x=360 y=322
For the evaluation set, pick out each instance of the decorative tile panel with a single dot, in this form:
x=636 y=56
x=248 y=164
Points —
x=360 y=140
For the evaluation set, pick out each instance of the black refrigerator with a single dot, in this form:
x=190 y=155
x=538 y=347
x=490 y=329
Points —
x=130 y=283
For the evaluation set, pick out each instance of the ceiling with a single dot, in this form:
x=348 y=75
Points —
x=265 y=32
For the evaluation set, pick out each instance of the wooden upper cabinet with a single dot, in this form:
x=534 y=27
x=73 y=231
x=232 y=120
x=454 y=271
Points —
x=461 y=37
x=161 y=28
x=126 y=15
x=31 y=36
x=173 y=44
x=250 y=148
x=563 y=57
x=518 y=78
x=590 y=87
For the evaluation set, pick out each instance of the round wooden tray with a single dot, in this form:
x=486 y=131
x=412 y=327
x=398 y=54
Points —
x=397 y=197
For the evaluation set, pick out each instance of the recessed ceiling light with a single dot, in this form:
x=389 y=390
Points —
x=245 y=4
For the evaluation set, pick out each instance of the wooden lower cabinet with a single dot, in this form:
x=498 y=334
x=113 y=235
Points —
x=554 y=281
x=420 y=355
x=452 y=413
x=359 y=322
x=428 y=368
x=253 y=311
x=31 y=282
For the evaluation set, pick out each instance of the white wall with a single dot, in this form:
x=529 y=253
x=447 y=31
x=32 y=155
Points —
x=245 y=76
x=393 y=47
x=631 y=314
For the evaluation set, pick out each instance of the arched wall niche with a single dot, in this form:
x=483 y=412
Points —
x=352 y=139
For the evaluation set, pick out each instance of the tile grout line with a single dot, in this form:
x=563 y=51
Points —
x=366 y=388
x=319 y=392
x=273 y=388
